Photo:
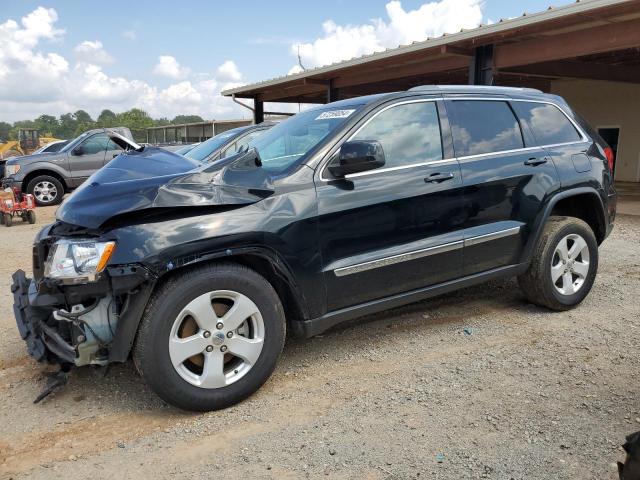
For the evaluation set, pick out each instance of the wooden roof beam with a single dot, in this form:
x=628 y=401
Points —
x=615 y=36
x=393 y=72
x=584 y=70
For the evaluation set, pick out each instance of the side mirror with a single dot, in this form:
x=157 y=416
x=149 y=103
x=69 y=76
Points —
x=78 y=151
x=357 y=156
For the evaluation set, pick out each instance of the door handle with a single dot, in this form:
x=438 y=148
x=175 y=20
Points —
x=438 y=177
x=534 y=162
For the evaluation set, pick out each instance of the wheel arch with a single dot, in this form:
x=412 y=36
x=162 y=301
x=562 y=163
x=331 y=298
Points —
x=583 y=202
x=43 y=171
x=263 y=261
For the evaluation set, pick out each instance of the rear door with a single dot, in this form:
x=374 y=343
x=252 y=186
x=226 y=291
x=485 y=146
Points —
x=506 y=179
x=395 y=228
x=567 y=146
x=89 y=158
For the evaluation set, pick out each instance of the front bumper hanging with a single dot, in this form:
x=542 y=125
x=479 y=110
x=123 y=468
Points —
x=43 y=342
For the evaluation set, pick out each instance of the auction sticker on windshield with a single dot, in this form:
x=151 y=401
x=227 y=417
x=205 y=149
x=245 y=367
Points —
x=335 y=114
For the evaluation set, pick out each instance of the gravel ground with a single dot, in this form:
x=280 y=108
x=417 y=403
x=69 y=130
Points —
x=476 y=384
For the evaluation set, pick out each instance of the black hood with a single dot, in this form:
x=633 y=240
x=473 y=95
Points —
x=156 y=178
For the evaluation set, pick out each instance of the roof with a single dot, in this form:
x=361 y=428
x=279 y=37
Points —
x=557 y=18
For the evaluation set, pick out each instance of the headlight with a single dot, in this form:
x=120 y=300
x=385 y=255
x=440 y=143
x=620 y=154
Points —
x=78 y=261
x=11 y=170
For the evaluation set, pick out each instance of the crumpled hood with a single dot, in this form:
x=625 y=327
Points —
x=156 y=178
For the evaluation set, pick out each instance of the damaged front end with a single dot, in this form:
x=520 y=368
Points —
x=76 y=321
x=83 y=305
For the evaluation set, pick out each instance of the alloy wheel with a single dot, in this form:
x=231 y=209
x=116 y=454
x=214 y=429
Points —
x=216 y=339
x=45 y=191
x=570 y=264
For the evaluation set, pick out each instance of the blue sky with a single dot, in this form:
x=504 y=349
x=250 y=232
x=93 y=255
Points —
x=200 y=36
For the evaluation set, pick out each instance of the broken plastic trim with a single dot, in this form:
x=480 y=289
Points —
x=123 y=142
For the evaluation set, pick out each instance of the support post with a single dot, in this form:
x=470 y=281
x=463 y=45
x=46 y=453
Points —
x=258 y=111
x=481 y=66
x=332 y=92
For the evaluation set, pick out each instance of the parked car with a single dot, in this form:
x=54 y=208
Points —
x=48 y=177
x=227 y=143
x=52 y=147
x=199 y=269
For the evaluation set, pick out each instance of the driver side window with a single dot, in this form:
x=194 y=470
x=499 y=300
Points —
x=95 y=144
x=409 y=133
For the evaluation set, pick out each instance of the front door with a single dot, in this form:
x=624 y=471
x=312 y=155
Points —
x=88 y=157
x=395 y=228
x=505 y=177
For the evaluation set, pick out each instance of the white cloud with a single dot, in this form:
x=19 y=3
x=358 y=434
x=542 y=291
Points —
x=295 y=69
x=92 y=52
x=26 y=74
x=401 y=27
x=228 y=72
x=168 y=66
x=33 y=81
x=130 y=34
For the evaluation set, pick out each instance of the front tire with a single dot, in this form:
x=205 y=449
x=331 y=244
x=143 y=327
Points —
x=210 y=337
x=46 y=190
x=564 y=265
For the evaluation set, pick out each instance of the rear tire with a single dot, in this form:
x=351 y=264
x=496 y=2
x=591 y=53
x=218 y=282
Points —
x=31 y=216
x=8 y=219
x=210 y=379
x=46 y=190
x=564 y=265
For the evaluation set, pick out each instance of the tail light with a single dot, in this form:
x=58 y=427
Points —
x=608 y=152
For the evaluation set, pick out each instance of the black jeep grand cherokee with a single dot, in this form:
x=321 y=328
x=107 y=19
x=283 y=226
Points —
x=343 y=210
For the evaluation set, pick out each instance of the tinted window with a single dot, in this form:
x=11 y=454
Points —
x=95 y=144
x=547 y=122
x=483 y=127
x=408 y=133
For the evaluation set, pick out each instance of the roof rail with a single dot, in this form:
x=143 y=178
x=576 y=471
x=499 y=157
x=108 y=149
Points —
x=467 y=88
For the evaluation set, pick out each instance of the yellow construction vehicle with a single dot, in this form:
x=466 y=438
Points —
x=29 y=140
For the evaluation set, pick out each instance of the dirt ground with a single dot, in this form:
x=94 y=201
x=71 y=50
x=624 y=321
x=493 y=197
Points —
x=476 y=384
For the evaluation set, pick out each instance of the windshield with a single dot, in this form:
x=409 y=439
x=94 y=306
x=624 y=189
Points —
x=186 y=148
x=205 y=149
x=289 y=141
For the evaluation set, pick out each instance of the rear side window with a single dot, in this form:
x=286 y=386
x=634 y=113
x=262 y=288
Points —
x=481 y=126
x=409 y=133
x=549 y=125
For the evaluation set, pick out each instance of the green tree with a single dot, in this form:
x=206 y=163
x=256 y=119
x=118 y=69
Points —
x=83 y=117
x=5 y=128
x=68 y=125
x=187 y=119
x=137 y=121
x=107 y=119
x=47 y=125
